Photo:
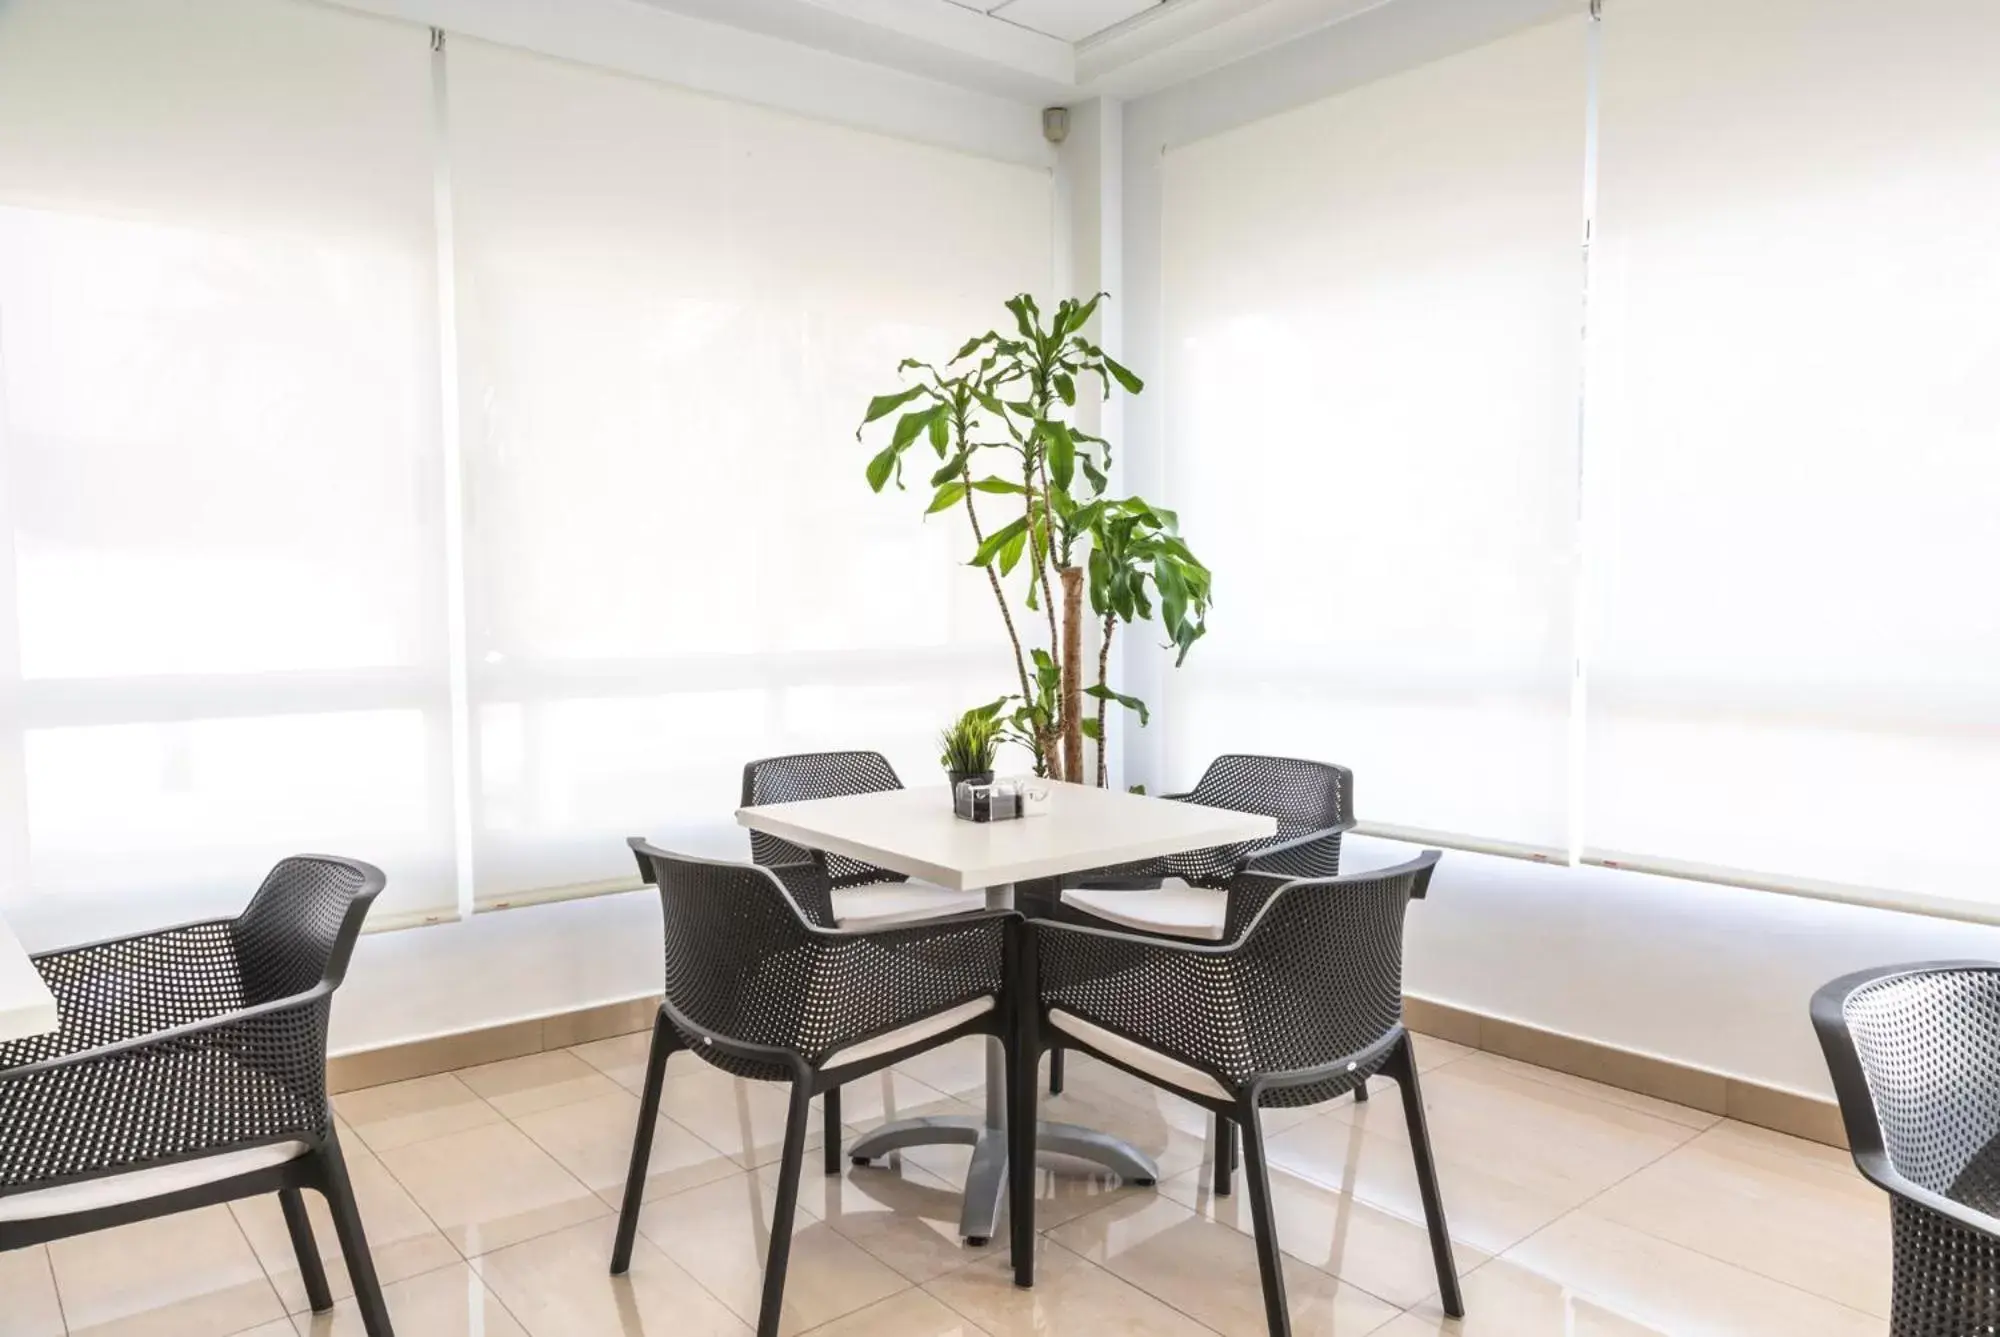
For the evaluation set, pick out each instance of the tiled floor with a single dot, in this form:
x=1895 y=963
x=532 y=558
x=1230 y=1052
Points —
x=1578 y=1210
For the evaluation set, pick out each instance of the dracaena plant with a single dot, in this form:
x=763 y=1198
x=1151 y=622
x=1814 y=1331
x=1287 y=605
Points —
x=996 y=418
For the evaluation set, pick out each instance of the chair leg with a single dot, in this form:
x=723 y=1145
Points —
x=789 y=1169
x=1021 y=1156
x=665 y=1042
x=830 y=1122
x=339 y=1192
x=1055 y=1070
x=1225 y=1155
x=1402 y=1067
x=318 y=1294
x=1277 y=1315
x=1361 y=1090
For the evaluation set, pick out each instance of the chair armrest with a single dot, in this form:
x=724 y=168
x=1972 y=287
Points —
x=251 y=1076
x=861 y=983
x=1314 y=854
x=810 y=888
x=127 y=988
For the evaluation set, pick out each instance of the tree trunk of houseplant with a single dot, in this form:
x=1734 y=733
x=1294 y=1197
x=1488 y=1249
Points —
x=1072 y=673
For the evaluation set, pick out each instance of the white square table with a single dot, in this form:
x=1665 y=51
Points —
x=26 y=1005
x=915 y=832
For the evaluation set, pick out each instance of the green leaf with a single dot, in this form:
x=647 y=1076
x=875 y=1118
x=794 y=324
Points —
x=997 y=485
x=990 y=403
x=1133 y=385
x=997 y=540
x=1090 y=730
x=971 y=346
x=1010 y=555
x=881 y=406
x=952 y=469
x=947 y=497
x=912 y=425
x=941 y=434
x=1066 y=388
x=1062 y=453
x=1098 y=482
x=1102 y=693
x=880 y=466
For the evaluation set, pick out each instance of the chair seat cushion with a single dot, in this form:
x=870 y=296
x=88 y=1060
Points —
x=890 y=1041
x=1175 y=909
x=883 y=904
x=1139 y=1057
x=138 y=1185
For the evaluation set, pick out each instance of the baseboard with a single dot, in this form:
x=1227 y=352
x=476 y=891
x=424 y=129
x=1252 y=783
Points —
x=491 y=1044
x=1684 y=1084
x=1766 y=1106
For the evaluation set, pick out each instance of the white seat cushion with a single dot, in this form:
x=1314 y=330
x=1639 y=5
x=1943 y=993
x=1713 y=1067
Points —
x=112 y=1190
x=908 y=1035
x=1175 y=908
x=1138 y=1057
x=881 y=904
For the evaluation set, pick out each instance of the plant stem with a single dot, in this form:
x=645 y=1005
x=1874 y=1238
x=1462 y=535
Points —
x=993 y=577
x=1072 y=673
x=1103 y=680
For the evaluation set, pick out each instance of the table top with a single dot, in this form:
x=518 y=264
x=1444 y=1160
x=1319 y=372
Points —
x=26 y=1005
x=915 y=832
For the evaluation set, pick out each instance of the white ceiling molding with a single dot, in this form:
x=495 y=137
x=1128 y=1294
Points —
x=1039 y=51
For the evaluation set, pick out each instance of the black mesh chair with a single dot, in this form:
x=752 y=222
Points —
x=832 y=890
x=1313 y=803
x=755 y=988
x=190 y=1070
x=1299 y=1010
x=1915 y=1055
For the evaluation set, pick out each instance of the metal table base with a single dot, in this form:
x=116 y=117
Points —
x=986 y=1179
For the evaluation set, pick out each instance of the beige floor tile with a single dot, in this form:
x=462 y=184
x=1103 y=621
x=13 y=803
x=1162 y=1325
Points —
x=901 y=1214
x=1382 y=1253
x=888 y=1095
x=1209 y=1271
x=911 y=1314
x=386 y=1117
x=1659 y=1109
x=276 y=1328
x=518 y=1087
x=1072 y=1297
x=449 y=1302
x=742 y=1119
x=1434 y=1051
x=721 y=1233
x=490 y=1187
x=1482 y=1205
x=31 y=1308
x=1548 y=1138
x=1653 y=1284
x=957 y=1069
x=1786 y=1216
x=401 y=1238
x=593 y=1141
x=560 y=1285
x=1504 y=1299
x=623 y=1059
x=191 y=1273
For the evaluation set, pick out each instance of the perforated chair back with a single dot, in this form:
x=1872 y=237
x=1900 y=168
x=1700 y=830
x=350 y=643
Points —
x=811 y=775
x=300 y=928
x=732 y=942
x=1304 y=797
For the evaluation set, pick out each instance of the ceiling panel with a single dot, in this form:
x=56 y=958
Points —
x=1071 y=20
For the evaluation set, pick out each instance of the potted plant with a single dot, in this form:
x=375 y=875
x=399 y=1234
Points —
x=997 y=418
x=968 y=747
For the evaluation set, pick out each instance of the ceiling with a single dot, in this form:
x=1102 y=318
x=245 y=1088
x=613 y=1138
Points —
x=1067 y=20
x=1049 y=52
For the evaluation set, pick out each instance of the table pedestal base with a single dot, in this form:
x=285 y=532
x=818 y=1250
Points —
x=986 y=1179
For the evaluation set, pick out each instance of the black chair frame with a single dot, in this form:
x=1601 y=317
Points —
x=674 y=1031
x=243 y=1036
x=1392 y=1055
x=1947 y=1252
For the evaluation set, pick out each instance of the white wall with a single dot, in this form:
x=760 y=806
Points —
x=1717 y=977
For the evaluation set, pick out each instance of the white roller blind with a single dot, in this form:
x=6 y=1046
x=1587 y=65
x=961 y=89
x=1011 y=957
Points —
x=1794 y=450
x=672 y=312
x=1373 y=365
x=220 y=637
